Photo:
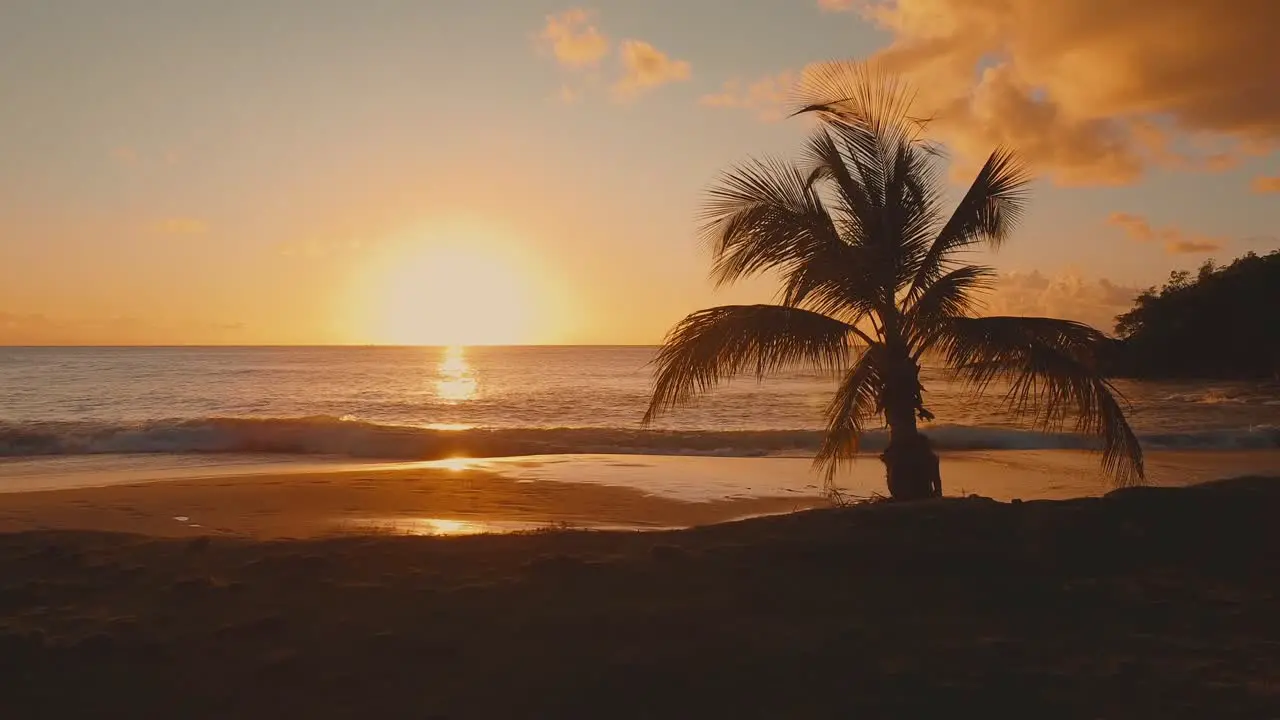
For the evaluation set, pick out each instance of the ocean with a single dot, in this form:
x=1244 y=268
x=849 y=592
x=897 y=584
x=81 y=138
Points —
x=194 y=406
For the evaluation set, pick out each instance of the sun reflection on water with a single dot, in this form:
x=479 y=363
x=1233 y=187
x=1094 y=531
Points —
x=456 y=382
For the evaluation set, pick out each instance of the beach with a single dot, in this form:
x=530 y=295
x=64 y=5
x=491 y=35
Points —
x=425 y=500
x=266 y=442
x=1152 y=602
x=346 y=533
x=262 y=497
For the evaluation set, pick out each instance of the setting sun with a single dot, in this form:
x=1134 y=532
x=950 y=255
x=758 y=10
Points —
x=456 y=288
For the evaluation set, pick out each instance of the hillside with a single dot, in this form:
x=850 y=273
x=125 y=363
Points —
x=1221 y=323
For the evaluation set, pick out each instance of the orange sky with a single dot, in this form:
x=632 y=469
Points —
x=321 y=171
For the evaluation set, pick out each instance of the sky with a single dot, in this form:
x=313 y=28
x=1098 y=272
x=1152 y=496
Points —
x=454 y=172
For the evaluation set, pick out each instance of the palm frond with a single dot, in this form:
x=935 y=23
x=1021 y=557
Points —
x=868 y=108
x=855 y=277
x=767 y=215
x=872 y=148
x=913 y=210
x=988 y=213
x=715 y=344
x=828 y=161
x=951 y=296
x=763 y=215
x=1052 y=369
x=855 y=402
x=835 y=279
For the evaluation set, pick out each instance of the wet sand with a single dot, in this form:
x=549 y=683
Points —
x=265 y=497
x=412 y=500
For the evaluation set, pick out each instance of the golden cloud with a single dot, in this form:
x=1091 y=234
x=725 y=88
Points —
x=1263 y=184
x=578 y=45
x=646 y=67
x=1192 y=247
x=1176 y=241
x=573 y=39
x=1135 y=226
x=1091 y=91
x=1064 y=295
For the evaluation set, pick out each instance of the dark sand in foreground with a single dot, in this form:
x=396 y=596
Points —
x=1152 y=603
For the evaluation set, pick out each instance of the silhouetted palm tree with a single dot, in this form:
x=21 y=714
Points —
x=874 y=278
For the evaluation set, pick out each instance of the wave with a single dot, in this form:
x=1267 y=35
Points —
x=1252 y=395
x=1213 y=397
x=356 y=439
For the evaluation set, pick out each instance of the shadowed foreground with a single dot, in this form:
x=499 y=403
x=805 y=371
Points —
x=1147 y=603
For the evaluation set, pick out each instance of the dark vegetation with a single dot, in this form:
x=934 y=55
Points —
x=1148 y=603
x=1222 y=323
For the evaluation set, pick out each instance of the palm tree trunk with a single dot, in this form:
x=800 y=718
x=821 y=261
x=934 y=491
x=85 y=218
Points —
x=911 y=466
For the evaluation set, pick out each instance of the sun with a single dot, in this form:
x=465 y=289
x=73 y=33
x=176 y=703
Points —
x=451 y=287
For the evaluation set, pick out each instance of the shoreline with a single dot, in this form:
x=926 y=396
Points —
x=311 y=503
x=265 y=496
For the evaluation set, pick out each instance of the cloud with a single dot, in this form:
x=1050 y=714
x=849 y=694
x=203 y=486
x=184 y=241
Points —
x=1176 y=241
x=180 y=226
x=1001 y=111
x=1065 y=295
x=573 y=39
x=1135 y=226
x=1091 y=91
x=1192 y=247
x=1263 y=184
x=767 y=97
x=579 y=47
x=645 y=68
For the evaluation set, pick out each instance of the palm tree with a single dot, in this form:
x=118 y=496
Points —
x=875 y=278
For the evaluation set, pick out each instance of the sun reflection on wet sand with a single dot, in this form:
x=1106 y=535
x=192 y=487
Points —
x=446 y=527
x=457 y=382
x=452 y=527
x=457 y=464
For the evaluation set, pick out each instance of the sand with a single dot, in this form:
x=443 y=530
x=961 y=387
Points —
x=410 y=500
x=1143 y=604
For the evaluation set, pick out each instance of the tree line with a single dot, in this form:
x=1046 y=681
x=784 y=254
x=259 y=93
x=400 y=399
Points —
x=1222 y=322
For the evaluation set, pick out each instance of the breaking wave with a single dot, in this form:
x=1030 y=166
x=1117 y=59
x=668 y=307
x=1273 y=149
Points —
x=340 y=437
